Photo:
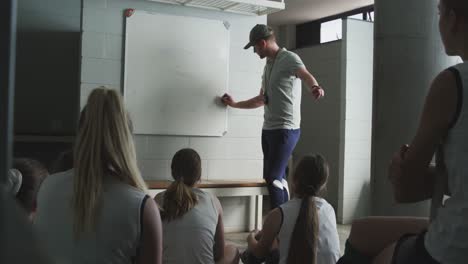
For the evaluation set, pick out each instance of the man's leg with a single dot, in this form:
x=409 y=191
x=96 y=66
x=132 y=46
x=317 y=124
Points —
x=280 y=146
x=292 y=139
x=275 y=193
x=265 y=149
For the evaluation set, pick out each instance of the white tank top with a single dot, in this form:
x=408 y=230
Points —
x=190 y=239
x=117 y=236
x=328 y=246
x=447 y=236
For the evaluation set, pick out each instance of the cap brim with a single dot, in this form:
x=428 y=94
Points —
x=248 y=45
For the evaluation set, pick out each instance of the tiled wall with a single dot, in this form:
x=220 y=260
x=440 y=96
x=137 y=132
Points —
x=340 y=125
x=321 y=124
x=358 y=50
x=238 y=154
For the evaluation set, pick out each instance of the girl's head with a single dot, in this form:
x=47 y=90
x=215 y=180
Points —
x=24 y=180
x=453 y=25
x=186 y=166
x=310 y=176
x=104 y=148
x=179 y=197
x=29 y=175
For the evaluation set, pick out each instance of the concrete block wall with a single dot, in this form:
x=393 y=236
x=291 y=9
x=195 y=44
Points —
x=238 y=154
x=322 y=121
x=358 y=54
x=340 y=125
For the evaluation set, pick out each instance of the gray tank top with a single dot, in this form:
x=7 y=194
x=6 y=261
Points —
x=447 y=236
x=190 y=239
x=117 y=236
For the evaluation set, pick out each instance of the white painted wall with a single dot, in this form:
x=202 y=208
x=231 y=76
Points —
x=237 y=155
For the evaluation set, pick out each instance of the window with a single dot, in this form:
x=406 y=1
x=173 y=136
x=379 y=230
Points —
x=370 y=16
x=331 y=31
x=357 y=16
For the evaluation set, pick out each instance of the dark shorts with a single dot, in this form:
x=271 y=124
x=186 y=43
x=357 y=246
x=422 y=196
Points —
x=410 y=249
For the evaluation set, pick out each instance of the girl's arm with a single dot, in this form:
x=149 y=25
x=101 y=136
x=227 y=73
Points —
x=261 y=247
x=409 y=170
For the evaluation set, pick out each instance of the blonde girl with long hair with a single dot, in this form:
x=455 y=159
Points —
x=98 y=212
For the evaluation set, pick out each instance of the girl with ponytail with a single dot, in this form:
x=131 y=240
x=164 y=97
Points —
x=193 y=230
x=180 y=196
x=303 y=230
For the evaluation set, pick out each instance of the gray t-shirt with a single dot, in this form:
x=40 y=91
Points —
x=282 y=90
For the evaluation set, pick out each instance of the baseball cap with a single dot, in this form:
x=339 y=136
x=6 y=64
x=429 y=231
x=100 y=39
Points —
x=259 y=32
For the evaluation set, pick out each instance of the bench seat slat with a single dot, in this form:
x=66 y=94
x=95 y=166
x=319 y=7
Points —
x=163 y=184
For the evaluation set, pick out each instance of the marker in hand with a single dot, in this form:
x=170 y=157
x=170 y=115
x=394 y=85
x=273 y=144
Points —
x=226 y=99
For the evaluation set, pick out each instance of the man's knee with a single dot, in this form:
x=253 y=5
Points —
x=277 y=184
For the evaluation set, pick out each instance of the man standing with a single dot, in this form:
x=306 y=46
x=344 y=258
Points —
x=280 y=95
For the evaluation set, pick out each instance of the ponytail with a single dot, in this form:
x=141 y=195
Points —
x=178 y=200
x=303 y=244
x=310 y=177
x=179 y=197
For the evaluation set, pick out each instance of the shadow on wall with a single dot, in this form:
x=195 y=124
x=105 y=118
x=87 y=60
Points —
x=358 y=207
x=45 y=152
x=47 y=83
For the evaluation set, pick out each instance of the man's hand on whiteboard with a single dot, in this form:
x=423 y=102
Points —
x=227 y=100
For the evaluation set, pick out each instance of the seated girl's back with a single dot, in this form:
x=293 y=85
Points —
x=117 y=228
x=328 y=243
x=97 y=211
x=303 y=230
x=193 y=230
x=190 y=238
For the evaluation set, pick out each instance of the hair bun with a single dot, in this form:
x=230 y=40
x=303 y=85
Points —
x=14 y=181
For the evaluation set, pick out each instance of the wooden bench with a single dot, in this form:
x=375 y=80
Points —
x=255 y=189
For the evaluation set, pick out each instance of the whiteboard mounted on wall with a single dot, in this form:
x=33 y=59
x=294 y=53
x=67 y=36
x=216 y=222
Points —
x=176 y=68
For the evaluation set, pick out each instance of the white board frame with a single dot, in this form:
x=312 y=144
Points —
x=184 y=117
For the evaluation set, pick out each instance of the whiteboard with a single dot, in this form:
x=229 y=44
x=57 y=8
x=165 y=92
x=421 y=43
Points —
x=176 y=68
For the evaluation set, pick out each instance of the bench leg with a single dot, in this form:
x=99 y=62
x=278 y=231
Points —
x=259 y=212
x=252 y=212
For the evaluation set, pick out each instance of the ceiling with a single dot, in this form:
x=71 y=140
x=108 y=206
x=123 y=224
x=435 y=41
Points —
x=301 y=11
